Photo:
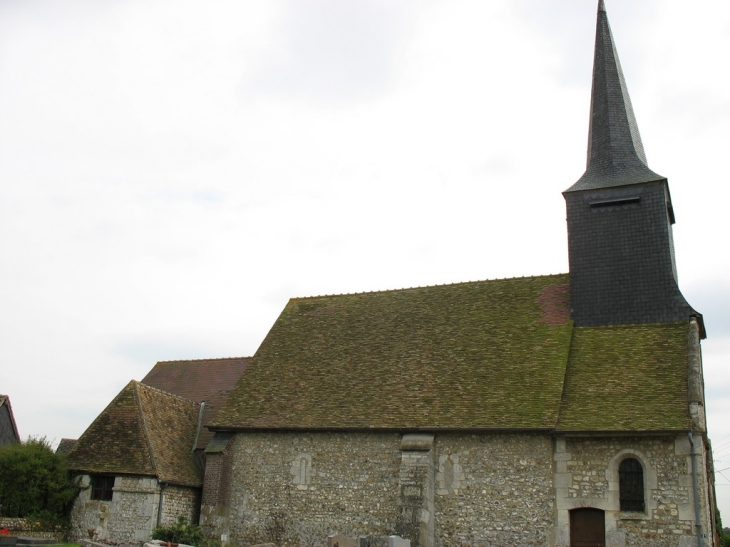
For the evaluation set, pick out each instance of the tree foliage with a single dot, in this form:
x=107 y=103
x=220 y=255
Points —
x=34 y=482
x=724 y=538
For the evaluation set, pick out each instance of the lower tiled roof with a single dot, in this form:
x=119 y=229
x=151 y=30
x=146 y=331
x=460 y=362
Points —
x=201 y=380
x=627 y=378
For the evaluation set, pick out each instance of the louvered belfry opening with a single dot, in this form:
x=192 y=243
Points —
x=631 y=485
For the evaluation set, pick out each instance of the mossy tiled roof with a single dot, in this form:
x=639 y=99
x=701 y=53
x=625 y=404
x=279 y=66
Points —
x=627 y=378
x=488 y=354
x=496 y=354
x=143 y=431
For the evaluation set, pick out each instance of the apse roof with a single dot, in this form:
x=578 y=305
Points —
x=143 y=431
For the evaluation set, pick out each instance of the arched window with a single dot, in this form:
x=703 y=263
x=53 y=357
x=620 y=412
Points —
x=631 y=485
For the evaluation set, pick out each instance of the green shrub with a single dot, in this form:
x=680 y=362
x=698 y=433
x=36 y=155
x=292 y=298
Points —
x=35 y=483
x=47 y=521
x=184 y=532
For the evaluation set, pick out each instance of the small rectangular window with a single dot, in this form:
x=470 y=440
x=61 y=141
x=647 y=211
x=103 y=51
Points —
x=102 y=487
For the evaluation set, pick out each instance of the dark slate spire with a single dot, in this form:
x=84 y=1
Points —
x=615 y=152
x=620 y=243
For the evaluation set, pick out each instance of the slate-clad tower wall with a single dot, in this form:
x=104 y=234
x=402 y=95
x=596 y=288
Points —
x=620 y=244
x=622 y=267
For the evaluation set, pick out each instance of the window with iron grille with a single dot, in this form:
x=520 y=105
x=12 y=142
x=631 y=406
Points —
x=102 y=487
x=631 y=485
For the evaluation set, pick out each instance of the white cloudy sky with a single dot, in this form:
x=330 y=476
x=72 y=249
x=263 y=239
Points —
x=171 y=172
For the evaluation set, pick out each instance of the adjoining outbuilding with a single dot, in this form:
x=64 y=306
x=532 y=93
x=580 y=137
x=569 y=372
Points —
x=141 y=461
x=136 y=466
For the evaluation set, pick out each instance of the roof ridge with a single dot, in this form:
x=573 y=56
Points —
x=145 y=430
x=163 y=392
x=201 y=359
x=117 y=396
x=162 y=413
x=429 y=286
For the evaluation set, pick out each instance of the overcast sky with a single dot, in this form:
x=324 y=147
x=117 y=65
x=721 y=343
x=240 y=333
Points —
x=171 y=172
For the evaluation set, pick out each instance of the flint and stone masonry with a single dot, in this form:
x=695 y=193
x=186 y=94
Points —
x=131 y=515
x=447 y=489
x=586 y=475
x=451 y=489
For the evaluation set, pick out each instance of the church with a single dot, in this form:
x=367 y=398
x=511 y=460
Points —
x=560 y=410
x=563 y=410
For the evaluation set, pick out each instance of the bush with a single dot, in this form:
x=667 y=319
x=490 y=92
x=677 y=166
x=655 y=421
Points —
x=183 y=532
x=47 y=521
x=35 y=483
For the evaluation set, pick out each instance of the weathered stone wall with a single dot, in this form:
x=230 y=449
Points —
x=706 y=479
x=416 y=481
x=586 y=475
x=493 y=489
x=178 y=501
x=131 y=515
x=26 y=528
x=294 y=489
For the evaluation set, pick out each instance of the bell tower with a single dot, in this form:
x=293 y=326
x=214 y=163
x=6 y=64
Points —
x=620 y=216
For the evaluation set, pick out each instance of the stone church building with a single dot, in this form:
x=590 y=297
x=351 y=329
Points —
x=562 y=410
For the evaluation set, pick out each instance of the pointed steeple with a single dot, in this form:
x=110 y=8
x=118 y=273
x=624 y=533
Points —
x=615 y=152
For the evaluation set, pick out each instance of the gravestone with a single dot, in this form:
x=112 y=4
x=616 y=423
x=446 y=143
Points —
x=397 y=541
x=338 y=540
x=372 y=541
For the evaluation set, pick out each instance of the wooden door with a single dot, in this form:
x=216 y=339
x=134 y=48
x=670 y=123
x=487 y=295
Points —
x=587 y=528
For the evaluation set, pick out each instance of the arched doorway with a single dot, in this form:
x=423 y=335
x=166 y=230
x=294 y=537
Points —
x=587 y=528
